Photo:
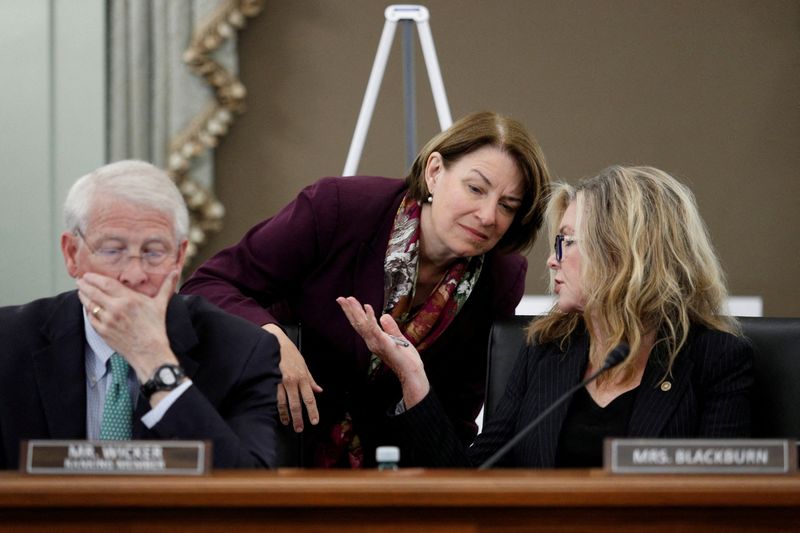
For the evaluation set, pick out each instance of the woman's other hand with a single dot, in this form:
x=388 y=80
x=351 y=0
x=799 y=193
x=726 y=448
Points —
x=297 y=387
x=401 y=357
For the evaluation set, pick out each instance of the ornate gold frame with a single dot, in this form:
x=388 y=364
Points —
x=204 y=132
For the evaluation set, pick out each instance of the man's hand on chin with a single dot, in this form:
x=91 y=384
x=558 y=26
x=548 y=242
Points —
x=132 y=323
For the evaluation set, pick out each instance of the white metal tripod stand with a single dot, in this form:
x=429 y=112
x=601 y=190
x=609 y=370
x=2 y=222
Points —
x=395 y=13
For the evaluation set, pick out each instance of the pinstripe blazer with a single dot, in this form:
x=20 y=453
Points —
x=708 y=396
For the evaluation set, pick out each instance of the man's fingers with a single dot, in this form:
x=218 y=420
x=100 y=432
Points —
x=94 y=307
x=167 y=288
x=103 y=284
x=85 y=300
x=90 y=294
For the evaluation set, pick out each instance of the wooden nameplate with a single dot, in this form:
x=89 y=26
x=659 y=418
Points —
x=700 y=456
x=133 y=457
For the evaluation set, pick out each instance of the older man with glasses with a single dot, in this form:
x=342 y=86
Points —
x=123 y=357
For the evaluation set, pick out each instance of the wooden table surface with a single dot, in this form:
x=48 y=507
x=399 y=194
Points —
x=405 y=500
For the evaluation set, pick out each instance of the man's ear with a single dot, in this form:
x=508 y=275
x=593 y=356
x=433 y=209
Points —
x=433 y=169
x=182 y=247
x=69 y=249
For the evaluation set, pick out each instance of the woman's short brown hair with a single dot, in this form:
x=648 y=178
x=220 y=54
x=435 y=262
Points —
x=487 y=128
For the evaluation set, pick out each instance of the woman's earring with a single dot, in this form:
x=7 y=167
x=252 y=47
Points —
x=429 y=199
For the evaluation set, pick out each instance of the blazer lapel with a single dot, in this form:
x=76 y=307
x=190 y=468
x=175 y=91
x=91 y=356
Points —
x=60 y=371
x=180 y=330
x=658 y=397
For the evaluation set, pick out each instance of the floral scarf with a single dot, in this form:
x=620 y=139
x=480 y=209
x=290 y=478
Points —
x=424 y=324
x=421 y=325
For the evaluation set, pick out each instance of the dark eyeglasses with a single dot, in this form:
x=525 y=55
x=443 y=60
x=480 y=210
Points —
x=558 y=246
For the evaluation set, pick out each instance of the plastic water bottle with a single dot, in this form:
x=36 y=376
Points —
x=387 y=457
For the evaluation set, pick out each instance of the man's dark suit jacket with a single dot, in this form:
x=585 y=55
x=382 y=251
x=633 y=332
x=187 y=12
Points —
x=709 y=397
x=331 y=241
x=233 y=365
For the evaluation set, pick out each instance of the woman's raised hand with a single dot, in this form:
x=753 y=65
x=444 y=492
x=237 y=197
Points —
x=387 y=344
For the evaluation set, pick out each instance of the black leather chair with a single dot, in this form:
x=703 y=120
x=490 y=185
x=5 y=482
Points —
x=506 y=339
x=776 y=398
x=776 y=395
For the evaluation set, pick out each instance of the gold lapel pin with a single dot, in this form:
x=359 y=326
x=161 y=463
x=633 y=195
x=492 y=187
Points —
x=666 y=386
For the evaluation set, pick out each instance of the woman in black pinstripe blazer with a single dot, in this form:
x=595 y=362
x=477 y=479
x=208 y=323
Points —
x=632 y=263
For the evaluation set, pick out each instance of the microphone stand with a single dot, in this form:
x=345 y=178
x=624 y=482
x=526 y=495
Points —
x=614 y=358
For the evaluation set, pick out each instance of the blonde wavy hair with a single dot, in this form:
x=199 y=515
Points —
x=648 y=265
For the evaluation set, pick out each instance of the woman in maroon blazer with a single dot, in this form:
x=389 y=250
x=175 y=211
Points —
x=437 y=251
x=633 y=263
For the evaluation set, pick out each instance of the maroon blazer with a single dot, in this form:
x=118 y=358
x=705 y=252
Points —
x=329 y=242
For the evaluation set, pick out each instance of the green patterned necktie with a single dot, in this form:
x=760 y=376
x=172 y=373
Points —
x=118 y=408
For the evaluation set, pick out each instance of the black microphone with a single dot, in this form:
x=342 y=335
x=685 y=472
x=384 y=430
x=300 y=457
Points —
x=617 y=355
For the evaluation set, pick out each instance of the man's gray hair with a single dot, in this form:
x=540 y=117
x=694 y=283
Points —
x=137 y=182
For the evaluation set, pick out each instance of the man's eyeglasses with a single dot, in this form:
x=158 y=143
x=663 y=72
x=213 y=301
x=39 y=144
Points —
x=558 y=246
x=118 y=257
